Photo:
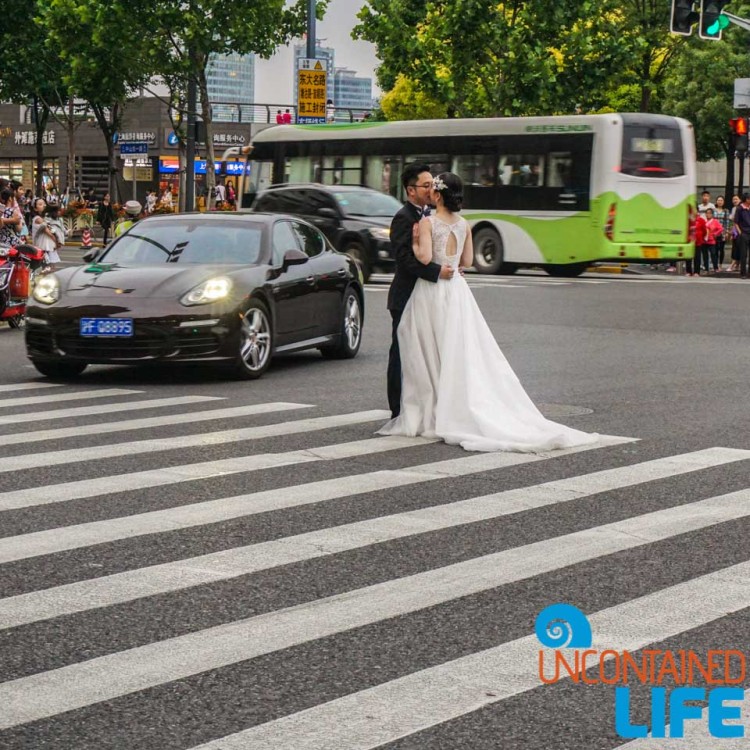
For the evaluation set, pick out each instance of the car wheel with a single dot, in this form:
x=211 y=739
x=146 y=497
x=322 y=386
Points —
x=357 y=251
x=17 y=321
x=59 y=370
x=350 y=332
x=255 y=342
x=566 y=271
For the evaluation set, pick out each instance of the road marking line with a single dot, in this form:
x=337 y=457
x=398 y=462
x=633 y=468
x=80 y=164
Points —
x=74 y=455
x=169 y=577
x=376 y=716
x=58 y=493
x=224 y=509
x=163 y=421
x=85 y=411
x=57 y=397
x=5 y=387
x=114 y=675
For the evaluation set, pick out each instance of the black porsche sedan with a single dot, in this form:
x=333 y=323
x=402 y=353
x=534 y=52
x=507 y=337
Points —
x=230 y=288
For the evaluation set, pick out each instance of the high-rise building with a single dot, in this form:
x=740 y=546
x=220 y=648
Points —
x=324 y=53
x=351 y=90
x=231 y=78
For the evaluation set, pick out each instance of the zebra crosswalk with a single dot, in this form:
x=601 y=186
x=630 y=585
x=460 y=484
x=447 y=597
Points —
x=343 y=591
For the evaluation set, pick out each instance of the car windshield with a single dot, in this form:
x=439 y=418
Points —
x=187 y=241
x=367 y=203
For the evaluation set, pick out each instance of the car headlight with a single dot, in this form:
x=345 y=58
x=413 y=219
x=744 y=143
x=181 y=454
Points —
x=4 y=273
x=209 y=291
x=380 y=233
x=47 y=289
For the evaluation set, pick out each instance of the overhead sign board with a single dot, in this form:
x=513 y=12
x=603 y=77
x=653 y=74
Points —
x=312 y=80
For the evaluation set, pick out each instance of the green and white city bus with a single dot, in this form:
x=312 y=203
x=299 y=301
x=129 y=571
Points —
x=555 y=192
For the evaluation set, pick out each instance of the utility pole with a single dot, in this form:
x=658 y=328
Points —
x=311 y=28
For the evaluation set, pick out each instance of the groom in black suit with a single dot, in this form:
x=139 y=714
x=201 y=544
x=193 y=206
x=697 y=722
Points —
x=417 y=182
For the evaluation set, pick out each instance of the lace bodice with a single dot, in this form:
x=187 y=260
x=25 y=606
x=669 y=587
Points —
x=441 y=232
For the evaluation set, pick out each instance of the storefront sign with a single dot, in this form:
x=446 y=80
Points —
x=28 y=137
x=171 y=165
x=219 y=139
x=141 y=136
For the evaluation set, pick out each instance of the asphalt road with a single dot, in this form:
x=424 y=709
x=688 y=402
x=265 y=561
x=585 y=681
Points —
x=188 y=561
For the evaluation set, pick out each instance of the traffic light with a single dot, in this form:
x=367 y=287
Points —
x=738 y=126
x=684 y=17
x=712 y=19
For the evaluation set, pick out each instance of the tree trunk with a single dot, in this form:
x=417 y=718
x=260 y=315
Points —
x=70 y=172
x=41 y=117
x=182 y=157
x=209 y=129
x=109 y=127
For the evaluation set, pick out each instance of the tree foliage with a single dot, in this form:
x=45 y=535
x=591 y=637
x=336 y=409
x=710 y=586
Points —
x=406 y=102
x=487 y=58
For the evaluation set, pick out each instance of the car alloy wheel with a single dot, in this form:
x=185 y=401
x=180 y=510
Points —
x=350 y=335
x=255 y=342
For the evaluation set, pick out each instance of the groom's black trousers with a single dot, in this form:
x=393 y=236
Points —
x=394 y=367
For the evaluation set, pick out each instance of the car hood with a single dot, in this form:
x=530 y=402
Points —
x=167 y=281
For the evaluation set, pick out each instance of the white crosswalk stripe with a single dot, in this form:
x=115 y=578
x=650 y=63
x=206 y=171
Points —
x=50 y=694
x=14 y=401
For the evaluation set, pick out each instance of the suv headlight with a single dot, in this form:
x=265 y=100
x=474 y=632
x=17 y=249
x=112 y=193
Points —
x=4 y=273
x=380 y=233
x=209 y=291
x=47 y=289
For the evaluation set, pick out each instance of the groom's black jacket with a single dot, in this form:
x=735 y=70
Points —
x=408 y=268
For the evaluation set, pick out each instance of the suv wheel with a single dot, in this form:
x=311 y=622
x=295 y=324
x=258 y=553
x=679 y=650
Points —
x=357 y=251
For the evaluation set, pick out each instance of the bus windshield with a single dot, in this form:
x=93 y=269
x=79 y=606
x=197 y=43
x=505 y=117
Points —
x=652 y=151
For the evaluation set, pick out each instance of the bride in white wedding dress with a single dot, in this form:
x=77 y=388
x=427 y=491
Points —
x=457 y=384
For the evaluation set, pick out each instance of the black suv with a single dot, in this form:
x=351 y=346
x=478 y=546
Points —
x=355 y=219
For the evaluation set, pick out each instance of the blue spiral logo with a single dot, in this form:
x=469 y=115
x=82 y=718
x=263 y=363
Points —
x=563 y=626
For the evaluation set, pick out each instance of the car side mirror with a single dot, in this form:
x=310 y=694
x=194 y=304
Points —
x=293 y=258
x=91 y=255
x=327 y=213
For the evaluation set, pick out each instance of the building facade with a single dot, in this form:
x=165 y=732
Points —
x=351 y=90
x=230 y=78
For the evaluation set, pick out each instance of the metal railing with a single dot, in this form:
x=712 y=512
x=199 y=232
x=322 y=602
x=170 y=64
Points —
x=266 y=113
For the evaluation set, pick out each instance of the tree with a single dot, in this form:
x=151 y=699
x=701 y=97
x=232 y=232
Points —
x=406 y=102
x=35 y=85
x=183 y=35
x=489 y=58
x=104 y=62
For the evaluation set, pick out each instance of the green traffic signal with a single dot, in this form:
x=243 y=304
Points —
x=716 y=27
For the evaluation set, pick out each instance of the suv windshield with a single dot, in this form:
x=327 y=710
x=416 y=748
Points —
x=366 y=203
x=187 y=241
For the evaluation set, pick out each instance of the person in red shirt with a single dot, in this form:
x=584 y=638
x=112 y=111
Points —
x=287 y=117
x=694 y=265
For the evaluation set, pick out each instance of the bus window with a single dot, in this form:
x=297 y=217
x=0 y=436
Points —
x=649 y=151
x=382 y=173
x=341 y=170
x=299 y=169
x=521 y=170
x=476 y=169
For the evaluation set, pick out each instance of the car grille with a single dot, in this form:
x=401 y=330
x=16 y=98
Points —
x=148 y=342
x=40 y=339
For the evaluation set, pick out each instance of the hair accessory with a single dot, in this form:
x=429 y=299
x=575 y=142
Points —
x=438 y=184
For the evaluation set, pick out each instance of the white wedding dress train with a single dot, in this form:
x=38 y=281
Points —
x=457 y=384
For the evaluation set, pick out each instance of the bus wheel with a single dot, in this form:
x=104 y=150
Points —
x=567 y=271
x=488 y=251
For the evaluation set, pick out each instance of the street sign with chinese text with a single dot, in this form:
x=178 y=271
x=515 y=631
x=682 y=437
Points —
x=133 y=148
x=311 y=91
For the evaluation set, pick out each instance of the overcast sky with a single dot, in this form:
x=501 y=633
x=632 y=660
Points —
x=273 y=78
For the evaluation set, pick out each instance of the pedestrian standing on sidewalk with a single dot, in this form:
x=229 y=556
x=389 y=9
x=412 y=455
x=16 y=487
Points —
x=714 y=233
x=742 y=224
x=722 y=215
x=734 y=266
x=693 y=265
x=41 y=235
x=105 y=215
x=705 y=203
x=10 y=219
